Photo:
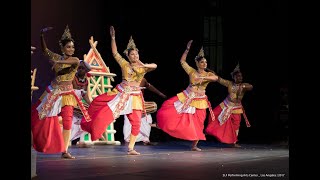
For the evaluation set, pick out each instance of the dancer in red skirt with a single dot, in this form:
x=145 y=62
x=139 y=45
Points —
x=228 y=113
x=57 y=102
x=183 y=115
x=125 y=99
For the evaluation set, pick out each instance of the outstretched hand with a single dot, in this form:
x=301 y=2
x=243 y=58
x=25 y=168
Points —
x=189 y=44
x=112 y=32
x=46 y=29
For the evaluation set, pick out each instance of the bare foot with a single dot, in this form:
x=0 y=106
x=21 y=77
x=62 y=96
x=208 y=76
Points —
x=195 y=149
x=67 y=155
x=133 y=152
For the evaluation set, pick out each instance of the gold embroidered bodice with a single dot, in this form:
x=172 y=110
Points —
x=233 y=89
x=130 y=73
x=193 y=74
x=64 y=77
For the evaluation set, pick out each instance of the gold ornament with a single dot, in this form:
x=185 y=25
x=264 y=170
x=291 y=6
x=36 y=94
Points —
x=236 y=69
x=200 y=54
x=131 y=45
x=66 y=35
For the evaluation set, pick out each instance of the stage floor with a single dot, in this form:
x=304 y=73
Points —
x=166 y=161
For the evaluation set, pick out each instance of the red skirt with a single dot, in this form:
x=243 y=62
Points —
x=225 y=133
x=183 y=126
x=46 y=133
x=101 y=116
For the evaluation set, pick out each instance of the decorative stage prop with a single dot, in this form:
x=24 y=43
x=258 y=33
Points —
x=98 y=83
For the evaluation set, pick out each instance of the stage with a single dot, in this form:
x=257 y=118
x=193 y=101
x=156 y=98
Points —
x=168 y=160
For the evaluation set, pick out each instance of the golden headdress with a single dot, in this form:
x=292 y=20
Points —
x=200 y=54
x=236 y=69
x=131 y=45
x=66 y=35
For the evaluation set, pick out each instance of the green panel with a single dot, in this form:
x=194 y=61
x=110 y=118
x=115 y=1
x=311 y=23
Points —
x=86 y=137
x=109 y=136
x=106 y=80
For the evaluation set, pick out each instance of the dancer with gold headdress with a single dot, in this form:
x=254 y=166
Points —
x=125 y=98
x=183 y=115
x=226 y=126
x=58 y=100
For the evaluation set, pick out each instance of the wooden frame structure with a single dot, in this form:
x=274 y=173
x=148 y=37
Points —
x=98 y=83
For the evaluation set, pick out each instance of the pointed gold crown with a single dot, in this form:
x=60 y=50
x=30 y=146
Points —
x=200 y=54
x=131 y=45
x=236 y=69
x=66 y=35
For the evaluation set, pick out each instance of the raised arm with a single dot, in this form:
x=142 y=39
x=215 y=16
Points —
x=120 y=60
x=51 y=55
x=183 y=62
x=43 y=42
x=113 y=40
x=184 y=55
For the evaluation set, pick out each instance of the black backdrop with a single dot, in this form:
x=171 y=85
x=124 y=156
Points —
x=253 y=32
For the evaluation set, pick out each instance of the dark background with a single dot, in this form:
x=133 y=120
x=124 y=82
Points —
x=254 y=33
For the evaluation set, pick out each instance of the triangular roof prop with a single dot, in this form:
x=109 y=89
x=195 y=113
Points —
x=94 y=59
